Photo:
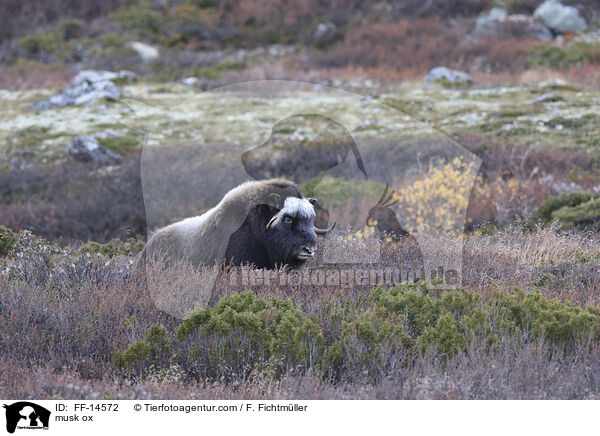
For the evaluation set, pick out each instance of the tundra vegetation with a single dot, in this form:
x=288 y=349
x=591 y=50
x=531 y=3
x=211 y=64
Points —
x=78 y=322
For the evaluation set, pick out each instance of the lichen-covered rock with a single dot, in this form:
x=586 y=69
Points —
x=443 y=74
x=560 y=18
x=87 y=87
x=83 y=94
x=88 y=149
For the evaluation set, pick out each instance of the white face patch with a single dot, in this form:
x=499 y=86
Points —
x=295 y=206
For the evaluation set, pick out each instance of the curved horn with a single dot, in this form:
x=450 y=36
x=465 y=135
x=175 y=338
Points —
x=319 y=231
x=275 y=220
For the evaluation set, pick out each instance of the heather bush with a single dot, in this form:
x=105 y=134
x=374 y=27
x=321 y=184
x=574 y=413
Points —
x=74 y=200
x=574 y=208
x=548 y=207
x=61 y=43
x=409 y=319
x=243 y=334
x=583 y=214
x=562 y=56
x=122 y=143
x=71 y=312
x=154 y=349
x=8 y=239
x=43 y=264
x=142 y=22
x=114 y=248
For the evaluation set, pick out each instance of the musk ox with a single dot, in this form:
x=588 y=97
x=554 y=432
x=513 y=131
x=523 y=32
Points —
x=266 y=223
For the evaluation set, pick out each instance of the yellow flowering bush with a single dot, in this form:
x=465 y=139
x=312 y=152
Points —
x=438 y=201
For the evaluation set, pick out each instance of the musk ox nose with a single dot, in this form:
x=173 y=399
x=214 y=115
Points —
x=306 y=252
x=309 y=249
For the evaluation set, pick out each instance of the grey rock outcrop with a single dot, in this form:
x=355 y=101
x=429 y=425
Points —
x=443 y=74
x=88 y=149
x=87 y=87
x=560 y=18
x=498 y=24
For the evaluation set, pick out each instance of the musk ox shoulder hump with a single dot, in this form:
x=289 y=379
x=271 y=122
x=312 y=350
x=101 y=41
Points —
x=256 y=192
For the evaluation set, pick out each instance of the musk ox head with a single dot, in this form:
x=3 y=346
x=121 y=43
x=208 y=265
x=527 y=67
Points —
x=291 y=234
x=275 y=235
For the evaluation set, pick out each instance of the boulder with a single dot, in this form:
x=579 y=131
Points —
x=591 y=38
x=84 y=94
x=88 y=149
x=190 y=81
x=87 y=87
x=548 y=98
x=92 y=76
x=486 y=23
x=498 y=24
x=560 y=18
x=90 y=93
x=443 y=74
x=126 y=76
x=145 y=51
x=324 y=34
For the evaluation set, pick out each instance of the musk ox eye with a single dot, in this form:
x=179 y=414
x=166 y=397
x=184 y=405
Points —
x=287 y=219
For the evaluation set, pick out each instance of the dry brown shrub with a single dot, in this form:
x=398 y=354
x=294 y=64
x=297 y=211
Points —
x=27 y=74
x=560 y=264
x=411 y=47
x=406 y=45
x=516 y=371
x=74 y=200
x=493 y=55
x=586 y=75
